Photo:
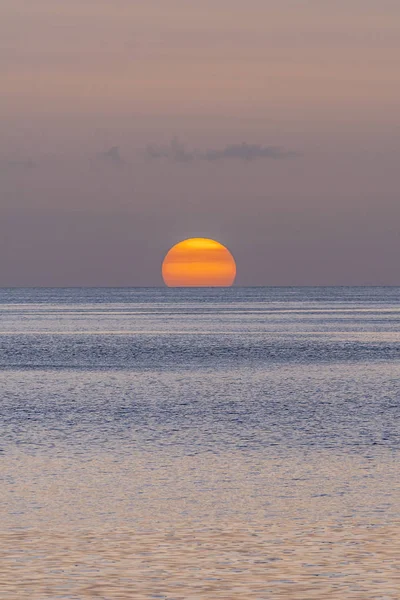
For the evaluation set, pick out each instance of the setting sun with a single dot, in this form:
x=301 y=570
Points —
x=199 y=262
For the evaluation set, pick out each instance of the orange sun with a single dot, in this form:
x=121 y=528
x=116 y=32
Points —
x=199 y=262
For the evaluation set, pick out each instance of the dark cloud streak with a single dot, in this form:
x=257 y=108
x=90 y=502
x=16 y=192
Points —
x=177 y=152
x=247 y=152
x=17 y=165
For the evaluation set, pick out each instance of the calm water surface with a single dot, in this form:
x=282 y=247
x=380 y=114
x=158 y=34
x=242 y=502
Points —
x=178 y=444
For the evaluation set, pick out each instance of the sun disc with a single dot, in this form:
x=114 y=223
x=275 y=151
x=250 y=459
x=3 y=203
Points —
x=199 y=262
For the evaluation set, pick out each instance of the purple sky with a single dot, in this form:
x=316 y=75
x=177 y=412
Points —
x=270 y=126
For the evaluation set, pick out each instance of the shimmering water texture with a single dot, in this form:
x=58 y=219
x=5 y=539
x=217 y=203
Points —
x=203 y=443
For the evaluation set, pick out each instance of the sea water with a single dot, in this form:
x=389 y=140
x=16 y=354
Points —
x=200 y=443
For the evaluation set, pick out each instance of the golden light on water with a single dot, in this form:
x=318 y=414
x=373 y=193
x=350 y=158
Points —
x=199 y=262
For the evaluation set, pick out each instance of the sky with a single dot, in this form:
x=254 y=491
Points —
x=271 y=126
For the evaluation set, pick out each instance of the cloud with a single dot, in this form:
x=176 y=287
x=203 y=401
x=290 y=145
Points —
x=113 y=156
x=177 y=152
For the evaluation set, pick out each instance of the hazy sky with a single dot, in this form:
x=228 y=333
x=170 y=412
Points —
x=272 y=126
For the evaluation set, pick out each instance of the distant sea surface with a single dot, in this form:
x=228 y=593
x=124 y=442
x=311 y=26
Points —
x=200 y=443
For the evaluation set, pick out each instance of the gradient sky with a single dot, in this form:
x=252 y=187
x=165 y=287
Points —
x=272 y=126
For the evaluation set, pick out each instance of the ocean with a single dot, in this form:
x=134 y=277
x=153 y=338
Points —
x=238 y=443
